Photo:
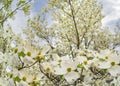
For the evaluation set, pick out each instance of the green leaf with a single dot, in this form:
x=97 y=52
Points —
x=12 y=14
x=21 y=2
x=26 y=9
x=34 y=83
x=90 y=58
x=39 y=58
x=79 y=66
x=61 y=76
x=101 y=59
x=21 y=54
x=17 y=79
x=1 y=66
x=105 y=70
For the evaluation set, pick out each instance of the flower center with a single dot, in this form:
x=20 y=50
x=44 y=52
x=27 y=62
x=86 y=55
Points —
x=112 y=63
x=59 y=60
x=24 y=78
x=15 y=50
x=69 y=69
x=48 y=69
x=28 y=53
x=106 y=57
x=85 y=62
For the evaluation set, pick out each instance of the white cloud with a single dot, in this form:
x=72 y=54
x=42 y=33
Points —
x=111 y=10
x=20 y=19
x=19 y=22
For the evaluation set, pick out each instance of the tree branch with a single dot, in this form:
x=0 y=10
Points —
x=75 y=24
x=14 y=11
x=28 y=66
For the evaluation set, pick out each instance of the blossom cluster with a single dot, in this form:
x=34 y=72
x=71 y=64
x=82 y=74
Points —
x=28 y=66
x=86 y=66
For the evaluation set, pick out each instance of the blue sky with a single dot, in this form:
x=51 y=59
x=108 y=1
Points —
x=38 y=5
x=111 y=10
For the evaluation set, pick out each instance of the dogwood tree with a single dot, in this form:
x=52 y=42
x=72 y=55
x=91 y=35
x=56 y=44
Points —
x=75 y=50
x=78 y=36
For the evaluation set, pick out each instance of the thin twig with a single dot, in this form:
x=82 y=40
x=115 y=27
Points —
x=28 y=66
x=14 y=11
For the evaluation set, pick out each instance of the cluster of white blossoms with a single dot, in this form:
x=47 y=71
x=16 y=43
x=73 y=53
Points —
x=23 y=64
x=28 y=66
x=77 y=51
x=105 y=63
